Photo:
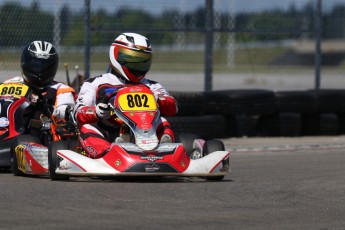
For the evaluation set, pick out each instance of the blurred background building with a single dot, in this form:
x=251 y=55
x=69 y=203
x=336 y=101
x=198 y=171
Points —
x=199 y=45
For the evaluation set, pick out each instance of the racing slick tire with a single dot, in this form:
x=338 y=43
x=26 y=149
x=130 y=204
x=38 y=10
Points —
x=53 y=159
x=189 y=103
x=304 y=102
x=207 y=126
x=187 y=140
x=239 y=102
x=211 y=146
x=14 y=160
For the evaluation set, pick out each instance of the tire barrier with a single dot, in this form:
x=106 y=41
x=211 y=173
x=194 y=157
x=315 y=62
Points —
x=304 y=102
x=239 y=102
x=279 y=124
x=320 y=124
x=256 y=112
x=189 y=103
x=291 y=106
x=206 y=126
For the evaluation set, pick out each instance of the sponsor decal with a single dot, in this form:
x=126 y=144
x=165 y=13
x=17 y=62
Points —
x=149 y=141
x=152 y=158
x=4 y=122
x=64 y=167
x=117 y=163
x=90 y=150
x=19 y=150
x=182 y=164
x=152 y=168
x=89 y=111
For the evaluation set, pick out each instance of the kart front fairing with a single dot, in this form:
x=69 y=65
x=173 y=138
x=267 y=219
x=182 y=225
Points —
x=126 y=159
x=137 y=108
x=32 y=158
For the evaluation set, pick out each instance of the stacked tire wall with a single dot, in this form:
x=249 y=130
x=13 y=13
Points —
x=257 y=112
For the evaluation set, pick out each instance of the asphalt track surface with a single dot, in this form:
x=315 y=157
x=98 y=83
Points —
x=275 y=184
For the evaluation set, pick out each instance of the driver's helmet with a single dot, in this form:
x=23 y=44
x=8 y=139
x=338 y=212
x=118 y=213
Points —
x=39 y=63
x=130 y=56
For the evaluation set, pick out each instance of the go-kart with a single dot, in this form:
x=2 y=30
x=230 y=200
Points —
x=141 y=154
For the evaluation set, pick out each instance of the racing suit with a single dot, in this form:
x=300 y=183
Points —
x=98 y=134
x=57 y=96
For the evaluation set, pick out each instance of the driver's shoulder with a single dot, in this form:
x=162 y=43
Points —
x=15 y=79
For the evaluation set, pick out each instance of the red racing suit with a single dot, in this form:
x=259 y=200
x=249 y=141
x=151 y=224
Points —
x=97 y=135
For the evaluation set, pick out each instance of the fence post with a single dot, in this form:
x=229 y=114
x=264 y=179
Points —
x=318 y=37
x=208 y=45
x=87 y=40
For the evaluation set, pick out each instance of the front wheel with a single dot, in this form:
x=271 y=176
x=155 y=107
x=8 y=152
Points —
x=210 y=147
x=187 y=140
x=53 y=161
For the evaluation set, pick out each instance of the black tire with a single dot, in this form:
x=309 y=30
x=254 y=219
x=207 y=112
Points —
x=341 y=118
x=305 y=102
x=323 y=124
x=187 y=140
x=189 y=103
x=53 y=159
x=239 y=102
x=208 y=126
x=240 y=125
x=211 y=146
x=14 y=161
x=279 y=124
x=330 y=100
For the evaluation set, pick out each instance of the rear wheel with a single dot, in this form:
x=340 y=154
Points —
x=211 y=146
x=53 y=161
x=14 y=160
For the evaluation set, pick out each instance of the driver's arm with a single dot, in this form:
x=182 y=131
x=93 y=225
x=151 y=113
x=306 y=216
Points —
x=85 y=108
x=64 y=99
x=167 y=103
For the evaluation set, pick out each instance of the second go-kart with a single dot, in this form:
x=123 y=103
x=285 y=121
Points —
x=142 y=155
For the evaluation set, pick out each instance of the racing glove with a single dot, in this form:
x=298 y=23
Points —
x=103 y=111
x=167 y=105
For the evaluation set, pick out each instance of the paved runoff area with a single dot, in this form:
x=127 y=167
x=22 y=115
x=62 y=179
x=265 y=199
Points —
x=271 y=144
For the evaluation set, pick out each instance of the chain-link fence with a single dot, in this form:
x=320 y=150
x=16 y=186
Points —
x=197 y=44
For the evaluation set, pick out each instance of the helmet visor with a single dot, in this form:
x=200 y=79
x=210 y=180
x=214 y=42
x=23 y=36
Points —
x=136 y=60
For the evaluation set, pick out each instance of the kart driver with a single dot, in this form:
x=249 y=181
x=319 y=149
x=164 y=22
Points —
x=39 y=63
x=130 y=59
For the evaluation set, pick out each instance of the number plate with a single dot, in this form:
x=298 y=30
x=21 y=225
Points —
x=13 y=89
x=137 y=102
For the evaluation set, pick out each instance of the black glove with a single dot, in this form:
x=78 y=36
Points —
x=103 y=111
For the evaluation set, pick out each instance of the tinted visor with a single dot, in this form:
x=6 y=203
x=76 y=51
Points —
x=134 y=60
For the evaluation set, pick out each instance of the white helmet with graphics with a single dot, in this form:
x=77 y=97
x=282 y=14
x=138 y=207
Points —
x=130 y=56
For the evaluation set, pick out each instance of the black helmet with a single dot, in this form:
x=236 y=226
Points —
x=39 y=63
